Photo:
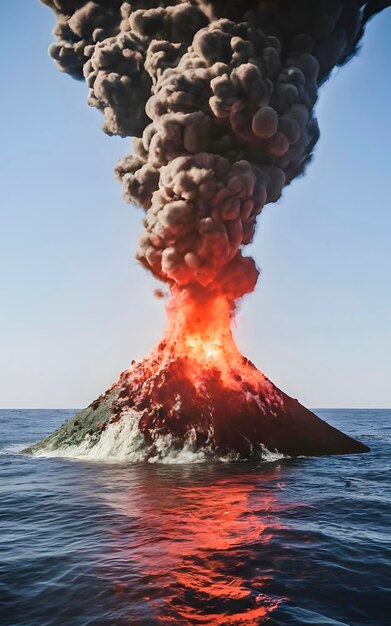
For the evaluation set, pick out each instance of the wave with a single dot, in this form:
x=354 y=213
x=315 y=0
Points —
x=12 y=448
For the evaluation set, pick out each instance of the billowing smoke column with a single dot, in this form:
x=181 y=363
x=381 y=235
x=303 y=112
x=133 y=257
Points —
x=219 y=97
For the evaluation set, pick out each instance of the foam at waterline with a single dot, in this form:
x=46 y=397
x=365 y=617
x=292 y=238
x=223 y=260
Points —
x=12 y=448
x=123 y=441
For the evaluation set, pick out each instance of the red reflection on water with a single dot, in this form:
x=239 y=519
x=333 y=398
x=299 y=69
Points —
x=199 y=546
x=220 y=520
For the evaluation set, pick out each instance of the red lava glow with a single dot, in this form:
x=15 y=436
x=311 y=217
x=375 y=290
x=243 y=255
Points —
x=199 y=334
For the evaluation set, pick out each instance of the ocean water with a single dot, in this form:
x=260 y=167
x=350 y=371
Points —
x=280 y=542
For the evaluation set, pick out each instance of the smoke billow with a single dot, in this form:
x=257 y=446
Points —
x=219 y=98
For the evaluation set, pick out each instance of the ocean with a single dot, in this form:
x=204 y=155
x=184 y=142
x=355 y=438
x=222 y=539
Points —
x=285 y=541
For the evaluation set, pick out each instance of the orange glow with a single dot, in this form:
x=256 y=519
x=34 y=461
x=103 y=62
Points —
x=198 y=554
x=222 y=522
x=199 y=332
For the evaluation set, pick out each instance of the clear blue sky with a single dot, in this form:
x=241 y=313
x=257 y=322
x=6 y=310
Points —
x=76 y=307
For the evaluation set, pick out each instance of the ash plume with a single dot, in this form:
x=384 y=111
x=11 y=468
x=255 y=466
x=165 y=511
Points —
x=219 y=99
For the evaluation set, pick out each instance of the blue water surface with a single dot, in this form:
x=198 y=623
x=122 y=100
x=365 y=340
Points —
x=291 y=542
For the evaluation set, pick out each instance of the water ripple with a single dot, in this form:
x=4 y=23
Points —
x=290 y=542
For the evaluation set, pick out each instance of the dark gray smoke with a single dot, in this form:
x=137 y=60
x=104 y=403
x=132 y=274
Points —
x=219 y=97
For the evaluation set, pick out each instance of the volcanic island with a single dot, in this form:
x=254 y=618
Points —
x=196 y=392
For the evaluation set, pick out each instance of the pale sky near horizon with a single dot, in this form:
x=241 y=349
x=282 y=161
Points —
x=76 y=307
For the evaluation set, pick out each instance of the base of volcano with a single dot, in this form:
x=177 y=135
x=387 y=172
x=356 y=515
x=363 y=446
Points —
x=161 y=404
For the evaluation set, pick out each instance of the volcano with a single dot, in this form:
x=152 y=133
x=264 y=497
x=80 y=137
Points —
x=219 y=100
x=196 y=390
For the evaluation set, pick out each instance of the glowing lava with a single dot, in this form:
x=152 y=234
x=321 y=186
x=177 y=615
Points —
x=199 y=334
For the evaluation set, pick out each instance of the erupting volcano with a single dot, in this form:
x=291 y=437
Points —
x=195 y=391
x=219 y=98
